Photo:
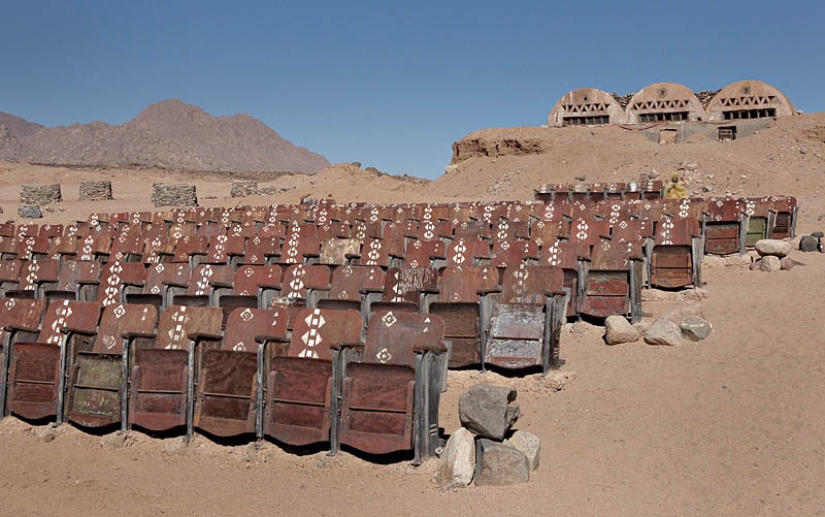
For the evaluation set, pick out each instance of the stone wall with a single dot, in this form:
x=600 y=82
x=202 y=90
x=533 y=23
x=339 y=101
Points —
x=40 y=194
x=174 y=194
x=95 y=191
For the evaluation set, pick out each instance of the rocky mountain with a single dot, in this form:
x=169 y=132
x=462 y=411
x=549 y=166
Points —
x=169 y=134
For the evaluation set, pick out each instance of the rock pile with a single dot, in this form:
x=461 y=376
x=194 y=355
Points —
x=40 y=194
x=485 y=450
x=250 y=188
x=244 y=188
x=663 y=331
x=773 y=255
x=174 y=194
x=95 y=191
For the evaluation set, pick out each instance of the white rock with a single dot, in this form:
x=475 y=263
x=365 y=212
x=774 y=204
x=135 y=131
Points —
x=529 y=444
x=774 y=247
x=458 y=462
x=770 y=264
x=664 y=332
x=618 y=330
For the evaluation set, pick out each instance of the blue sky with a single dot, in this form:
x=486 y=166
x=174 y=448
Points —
x=390 y=84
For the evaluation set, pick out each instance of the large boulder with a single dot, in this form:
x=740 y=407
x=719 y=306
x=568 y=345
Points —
x=773 y=247
x=663 y=332
x=487 y=411
x=695 y=329
x=809 y=243
x=529 y=444
x=458 y=462
x=499 y=464
x=30 y=212
x=618 y=330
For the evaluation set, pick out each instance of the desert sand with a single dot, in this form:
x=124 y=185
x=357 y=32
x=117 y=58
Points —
x=731 y=425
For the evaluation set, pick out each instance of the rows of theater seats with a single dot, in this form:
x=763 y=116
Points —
x=489 y=282
x=325 y=382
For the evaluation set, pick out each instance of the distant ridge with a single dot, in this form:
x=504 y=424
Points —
x=169 y=134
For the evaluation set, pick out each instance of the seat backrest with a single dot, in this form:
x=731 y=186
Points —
x=529 y=284
x=245 y=325
x=466 y=252
x=316 y=331
x=464 y=284
x=35 y=272
x=119 y=318
x=74 y=273
x=207 y=276
x=178 y=322
x=20 y=312
x=61 y=314
x=392 y=336
x=298 y=278
x=420 y=253
x=676 y=232
x=114 y=276
x=249 y=278
x=337 y=251
x=404 y=284
x=348 y=281
x=564 y=254
x=514 y=252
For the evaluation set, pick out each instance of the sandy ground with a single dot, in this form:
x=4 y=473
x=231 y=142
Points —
x=729 y=426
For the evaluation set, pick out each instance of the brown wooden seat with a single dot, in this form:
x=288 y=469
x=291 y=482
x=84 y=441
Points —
x=674 y=255
x=465 y=309
x=161 y=378
x=354 y=287
x=16 y=315
x=36 y=369
x=784 y=213
x=77 y=280
x=97 y=377
x=36 y=277
x=389 y=399
x=612 y=279
x=567 y=255
x=462 y=252
x=526 y=323
x=301 y=396
x=722 y=227
x=160 y=283
x=206 y=285
x=228 y=394
x=338 y=251
x=117 y=279
x=405 y=288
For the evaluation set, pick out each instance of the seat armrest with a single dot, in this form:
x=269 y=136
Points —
x=134 y=335
x=339 y=346
x=84 y=332
x=203 y=336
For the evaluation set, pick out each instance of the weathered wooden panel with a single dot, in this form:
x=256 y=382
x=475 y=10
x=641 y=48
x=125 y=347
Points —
x=671 y=266
x=517 y=322
x=722 y=238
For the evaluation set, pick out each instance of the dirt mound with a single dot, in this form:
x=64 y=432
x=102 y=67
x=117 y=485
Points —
x=169 y=134
x=786 y=157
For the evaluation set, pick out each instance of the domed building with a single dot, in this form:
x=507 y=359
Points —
x=747 y=100
x=586 y=107
x=664 y=102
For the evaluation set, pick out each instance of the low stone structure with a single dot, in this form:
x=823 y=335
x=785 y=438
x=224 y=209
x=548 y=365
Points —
x=95 y=190
x=40 y=194
x=244 y=188
x=174 y=194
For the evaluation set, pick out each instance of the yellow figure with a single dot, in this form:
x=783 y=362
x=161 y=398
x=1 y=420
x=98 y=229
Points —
x=676 y=189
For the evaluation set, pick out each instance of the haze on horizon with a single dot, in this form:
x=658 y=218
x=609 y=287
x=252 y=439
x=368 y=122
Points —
x=391 y=86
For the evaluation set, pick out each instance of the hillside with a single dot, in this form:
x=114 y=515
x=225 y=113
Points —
x=169 y=134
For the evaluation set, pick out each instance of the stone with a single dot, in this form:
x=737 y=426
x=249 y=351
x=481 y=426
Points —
x=30 y=212
x=458 y=461
x=818 y=235
x=642 y=326
x=695 y=329
x=664 y=332
x=617 y=330
x=787 y=263
x=499 y=465
x=529 y=444
x=773 y=247
x=487 y=411
x=809 y=243
x=770 y=264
